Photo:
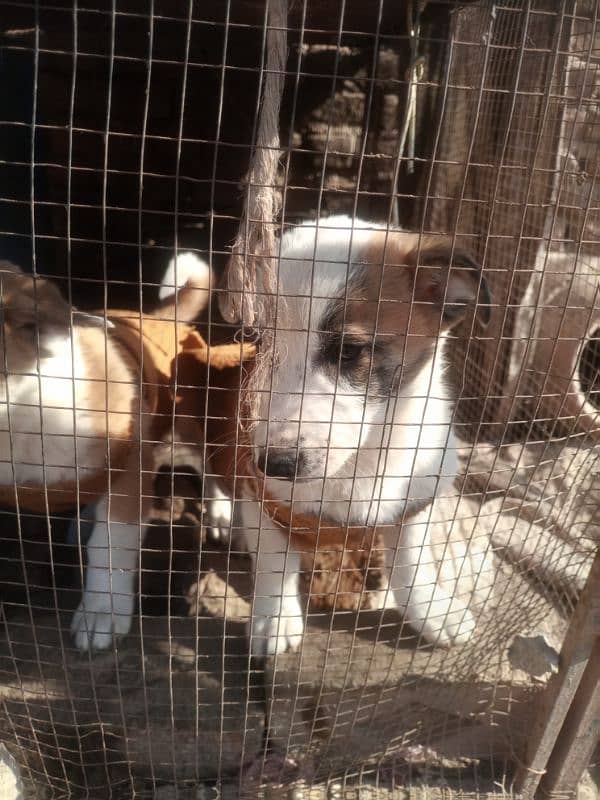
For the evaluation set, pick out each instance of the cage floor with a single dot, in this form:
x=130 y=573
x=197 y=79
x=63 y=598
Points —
x=179 y=702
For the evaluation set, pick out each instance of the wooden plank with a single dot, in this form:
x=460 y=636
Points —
x=558 y=698
x=579 y=734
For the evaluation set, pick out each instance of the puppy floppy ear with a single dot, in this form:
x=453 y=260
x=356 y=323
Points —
x=46 y=306
x=449 y=279
x=32 y=307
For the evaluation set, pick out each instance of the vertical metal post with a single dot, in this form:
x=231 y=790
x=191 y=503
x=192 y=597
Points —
x=558 y=732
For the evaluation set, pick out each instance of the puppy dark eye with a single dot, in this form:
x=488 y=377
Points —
x=351 y=352
x=28 y=327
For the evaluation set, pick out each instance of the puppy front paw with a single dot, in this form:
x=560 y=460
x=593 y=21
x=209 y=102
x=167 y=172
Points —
x=219 y=512
x=453 y=625
x=459 y=626
x=271 y=635
x=100 y=618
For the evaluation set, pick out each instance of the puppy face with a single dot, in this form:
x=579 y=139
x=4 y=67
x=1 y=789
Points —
x=33 y=315
x=357 y=323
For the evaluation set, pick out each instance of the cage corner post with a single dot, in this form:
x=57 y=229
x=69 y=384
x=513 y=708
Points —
x=565 y=730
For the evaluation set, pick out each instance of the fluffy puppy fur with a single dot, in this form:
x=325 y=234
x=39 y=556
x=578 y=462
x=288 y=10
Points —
x=354 y=421
x=80 y=409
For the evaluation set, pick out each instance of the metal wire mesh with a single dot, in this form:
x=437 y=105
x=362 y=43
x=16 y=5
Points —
x=126 y=132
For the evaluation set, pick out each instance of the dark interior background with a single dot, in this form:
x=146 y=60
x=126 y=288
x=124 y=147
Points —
x=133 y=154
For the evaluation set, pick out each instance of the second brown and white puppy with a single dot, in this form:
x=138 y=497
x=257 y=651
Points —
x=354 y=422
x=83 y=399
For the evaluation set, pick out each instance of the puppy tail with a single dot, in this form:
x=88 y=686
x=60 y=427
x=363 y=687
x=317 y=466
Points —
x=185 y=288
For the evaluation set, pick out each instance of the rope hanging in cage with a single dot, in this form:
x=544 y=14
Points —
x=251 y=275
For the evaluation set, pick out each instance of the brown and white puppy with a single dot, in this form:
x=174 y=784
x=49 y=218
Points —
x=81 y=404
x=354 y=422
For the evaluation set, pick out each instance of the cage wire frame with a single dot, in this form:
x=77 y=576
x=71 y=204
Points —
x=510 y=168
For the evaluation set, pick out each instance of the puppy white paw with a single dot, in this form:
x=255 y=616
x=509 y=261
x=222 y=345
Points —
x=218 y=518
x=100 y=618
x=453 y=628
x=459 y=627
x=273 y=635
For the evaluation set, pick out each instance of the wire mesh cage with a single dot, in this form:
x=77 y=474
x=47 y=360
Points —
x=300 y=396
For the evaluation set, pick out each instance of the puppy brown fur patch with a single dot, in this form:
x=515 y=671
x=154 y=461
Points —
x=343 y=580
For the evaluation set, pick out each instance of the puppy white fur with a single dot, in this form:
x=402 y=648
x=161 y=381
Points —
x=70 y=409
x=355 y=421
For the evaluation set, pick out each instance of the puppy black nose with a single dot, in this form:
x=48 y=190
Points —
x=280 y=462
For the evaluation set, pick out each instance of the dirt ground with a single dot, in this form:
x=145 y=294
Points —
x=180 y=702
